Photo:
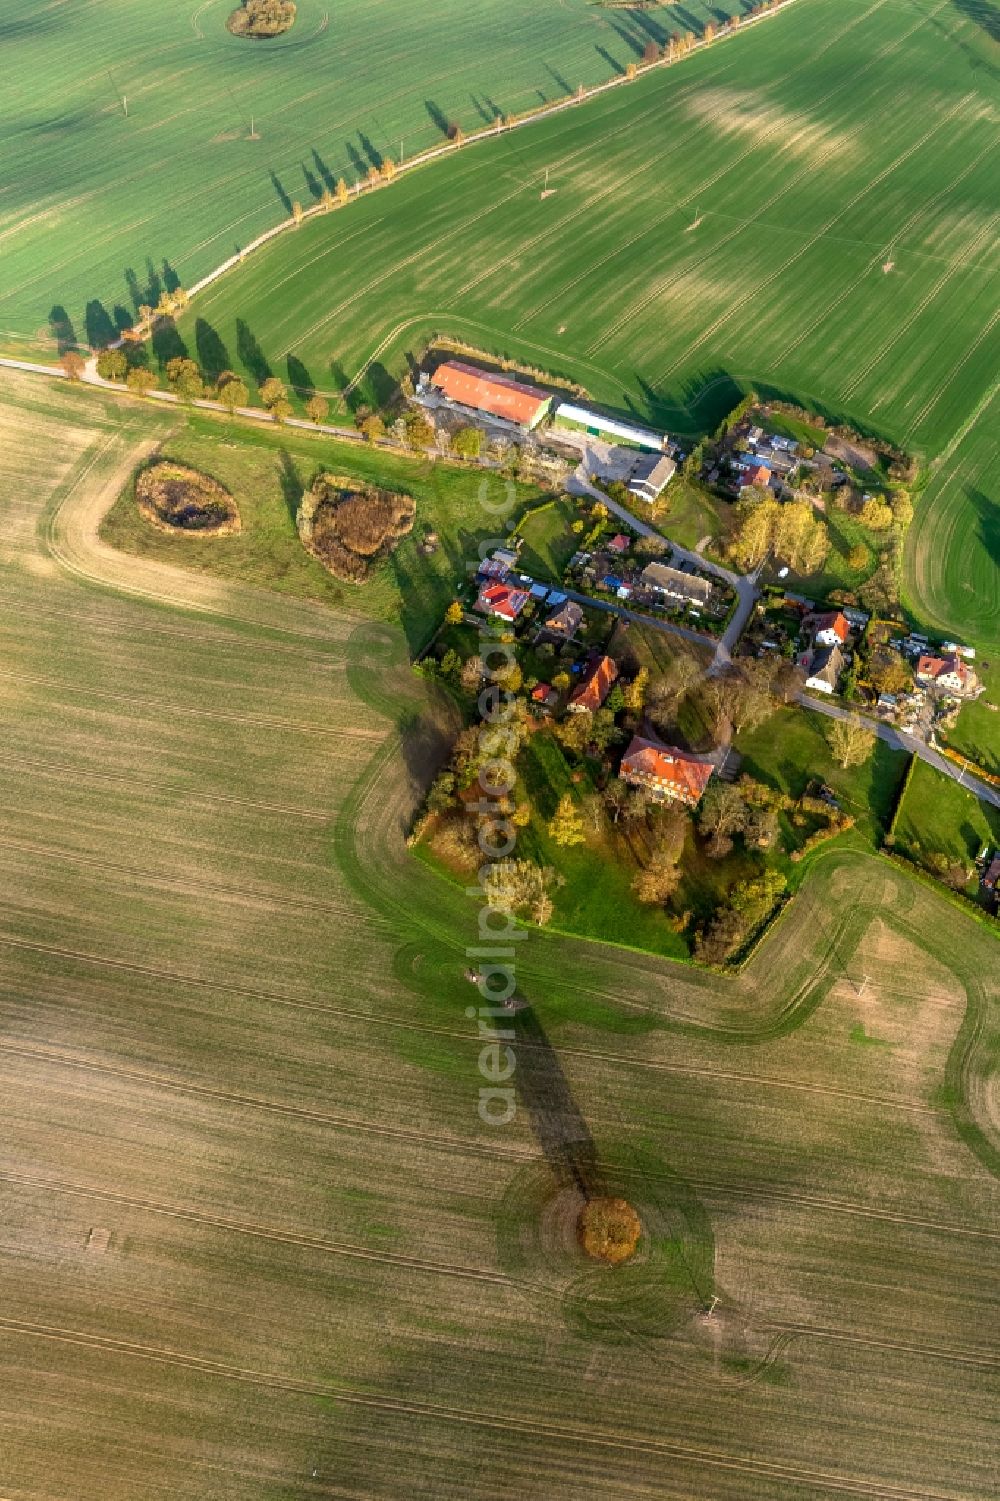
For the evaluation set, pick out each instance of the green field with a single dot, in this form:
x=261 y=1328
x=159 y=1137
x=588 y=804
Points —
x=258 y=1245
x=100 y=210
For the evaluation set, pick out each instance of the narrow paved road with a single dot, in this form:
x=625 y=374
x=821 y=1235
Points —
x=910 y=743
x=744 y=585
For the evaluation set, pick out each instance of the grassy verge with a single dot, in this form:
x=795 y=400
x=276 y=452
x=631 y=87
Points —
x=267 y=473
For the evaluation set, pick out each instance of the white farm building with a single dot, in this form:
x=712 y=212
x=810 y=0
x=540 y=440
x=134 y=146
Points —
x=599 y=426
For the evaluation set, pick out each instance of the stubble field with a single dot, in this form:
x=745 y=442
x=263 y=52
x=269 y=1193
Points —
x=256 y=1242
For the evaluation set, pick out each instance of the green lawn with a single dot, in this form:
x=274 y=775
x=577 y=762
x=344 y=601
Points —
x=690 y=514
x=549 y=542
x=791 y=748
x=937 y=815
x=267 y=473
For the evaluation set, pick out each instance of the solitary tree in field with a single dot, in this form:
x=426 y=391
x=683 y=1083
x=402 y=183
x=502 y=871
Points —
x=566 y=825
x=317 y=408
x=73 y=364
x=454 y=614
x=850 y=741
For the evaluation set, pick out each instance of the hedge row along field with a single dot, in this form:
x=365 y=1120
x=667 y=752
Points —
x=787 y=209
x=258 y=1244
x=101 y=208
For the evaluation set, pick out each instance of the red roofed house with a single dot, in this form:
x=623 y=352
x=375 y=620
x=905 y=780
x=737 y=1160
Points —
x=666 y=772
x=488 y=391
x=760 y=475
x=619 y=544
x=544 y=695
x=831 y=629
x=503 y=600
x=595 y=687
x=950 y=673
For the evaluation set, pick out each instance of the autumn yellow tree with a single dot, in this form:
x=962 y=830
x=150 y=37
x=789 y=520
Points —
x=343 y=192
x=454 y=614
x=566 y=825
x=850 y=740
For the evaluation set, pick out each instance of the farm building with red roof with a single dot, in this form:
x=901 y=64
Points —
x=666 y=772
x=493 y=392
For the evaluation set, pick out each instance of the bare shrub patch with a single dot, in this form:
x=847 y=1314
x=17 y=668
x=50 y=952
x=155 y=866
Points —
x=175 y=498
x=351 y=526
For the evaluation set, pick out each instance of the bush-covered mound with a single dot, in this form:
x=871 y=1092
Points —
x=178 y=499
x=351 y=526
x=609 y=1229
x=261 y=18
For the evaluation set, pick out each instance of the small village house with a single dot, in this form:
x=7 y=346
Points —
x=650 y=477
x=566 y=621
x=950 y=674
x=594 y=689
x=830 y=629
x=504 y=600
x=666 y=773
x=673 y=584
x=825 y=669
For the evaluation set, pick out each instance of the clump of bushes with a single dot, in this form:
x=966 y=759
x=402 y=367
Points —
x=261 y=18
x=609 y=1229
x=351 y=526
x=175 y=498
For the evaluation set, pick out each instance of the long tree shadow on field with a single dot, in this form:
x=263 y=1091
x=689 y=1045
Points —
x=292 y=484
x=283 y=197
x=61 y=329
x=982 y=14
x=329 y=181
x=988 y=513
x=167 y=342
x=612 y=62
x=171 y=280
x=371 y=151
x=558 y=78
x=299 y=378
x=438 y=117
x=250 y=354
x=101 y=330
x=354 y=157
x=213 y=356
x=312 y=183
x=544 y=1090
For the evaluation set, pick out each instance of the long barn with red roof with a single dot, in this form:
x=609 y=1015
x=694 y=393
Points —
x=493 y=392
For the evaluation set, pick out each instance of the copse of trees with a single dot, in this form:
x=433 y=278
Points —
x=261 y=18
